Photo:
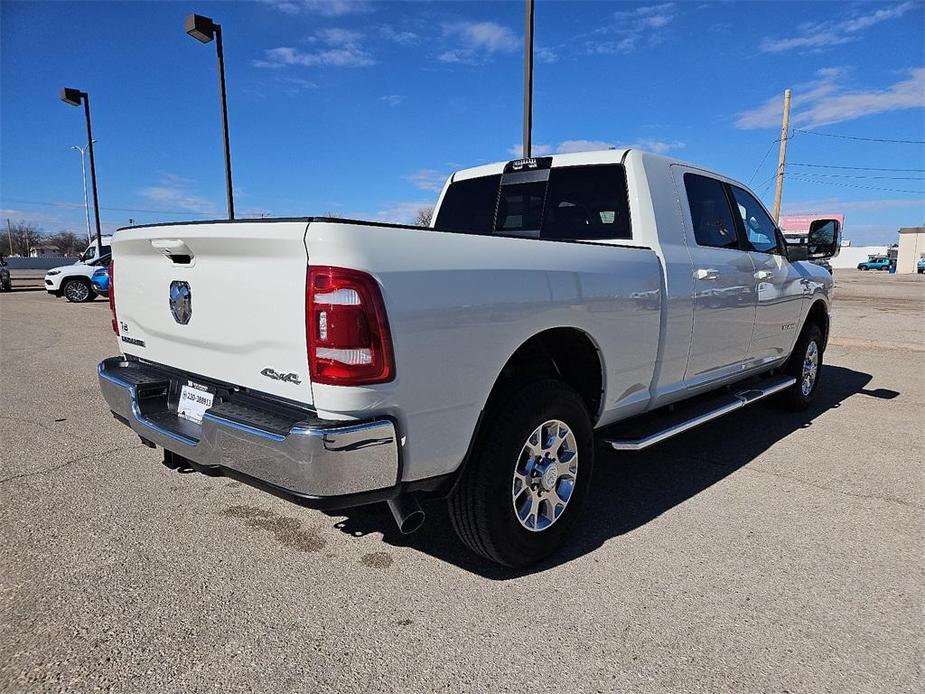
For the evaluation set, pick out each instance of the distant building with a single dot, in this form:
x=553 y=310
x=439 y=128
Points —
x=911 y=248
x=44 y=252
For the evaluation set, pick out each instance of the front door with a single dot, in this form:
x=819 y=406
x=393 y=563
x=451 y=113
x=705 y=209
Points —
x=778 y=285
x=724 y=280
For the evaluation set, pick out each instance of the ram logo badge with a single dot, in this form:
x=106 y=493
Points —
x=277 y=376
x=181 y=301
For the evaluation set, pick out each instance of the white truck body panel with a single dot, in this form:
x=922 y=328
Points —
x=460 y=305
x=248 y=297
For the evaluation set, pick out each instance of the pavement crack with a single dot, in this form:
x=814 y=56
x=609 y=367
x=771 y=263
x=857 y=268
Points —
x=67 y=463
x=42 y=425
x=856 y=495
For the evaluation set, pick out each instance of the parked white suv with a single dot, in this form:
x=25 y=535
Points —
x=73 y=281
x=553 y=300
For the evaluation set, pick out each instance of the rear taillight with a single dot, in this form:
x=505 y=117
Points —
x=346 y=328
x=112 y=296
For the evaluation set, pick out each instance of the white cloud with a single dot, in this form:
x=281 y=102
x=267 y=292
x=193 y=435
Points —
x=570 y=146
x=174 y=192
x=631 y=28
x=392 y=100
x=401 y=212
x=479 y=41
x=545 y=55
x=293 y=86
x=324 y=8
x=816 y=36
x=428 y=179
x=826 y=100
x=342 y=48
x=405 y=38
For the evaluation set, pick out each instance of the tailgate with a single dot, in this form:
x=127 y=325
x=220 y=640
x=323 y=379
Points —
x=245 y=285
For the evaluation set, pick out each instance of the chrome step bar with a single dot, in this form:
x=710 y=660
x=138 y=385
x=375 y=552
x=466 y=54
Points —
x=739 y=400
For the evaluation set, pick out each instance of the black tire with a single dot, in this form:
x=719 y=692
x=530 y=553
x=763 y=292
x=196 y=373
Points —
x=73 y=291
x=481 y=505
x=794 y=397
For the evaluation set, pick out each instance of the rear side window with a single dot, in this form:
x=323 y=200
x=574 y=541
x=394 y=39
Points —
x=587 y=203
x=469 y=206
x=710 y=214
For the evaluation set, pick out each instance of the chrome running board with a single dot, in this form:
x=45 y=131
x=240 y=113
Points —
x=734 y=402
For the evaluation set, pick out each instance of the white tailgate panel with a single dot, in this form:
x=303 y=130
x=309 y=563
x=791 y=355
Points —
x=247 y=287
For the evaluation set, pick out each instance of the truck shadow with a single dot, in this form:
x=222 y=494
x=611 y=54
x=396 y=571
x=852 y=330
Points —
x=631 y=489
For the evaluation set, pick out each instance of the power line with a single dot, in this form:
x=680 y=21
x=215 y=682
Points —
x=856 y=168
x=73 y=205
x=763 y=159
x=838 y=175
x=864 y=139
x=851 y=185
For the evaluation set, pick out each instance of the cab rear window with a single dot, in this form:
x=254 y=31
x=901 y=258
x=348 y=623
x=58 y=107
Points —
x=469 y=206
x=574 y=203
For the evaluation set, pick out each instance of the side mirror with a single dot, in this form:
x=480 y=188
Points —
x=823 y=241
x=824 y=238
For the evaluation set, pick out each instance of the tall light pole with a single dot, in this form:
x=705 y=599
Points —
x=75 y=97
x=204 y=29
x=528 y=79
x=83 y=172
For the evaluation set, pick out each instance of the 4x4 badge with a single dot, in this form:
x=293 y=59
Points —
x=277 y=376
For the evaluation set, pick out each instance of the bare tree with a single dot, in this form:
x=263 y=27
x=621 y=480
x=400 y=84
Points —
x=423 y=216
x=68 y=242
x=25 y=236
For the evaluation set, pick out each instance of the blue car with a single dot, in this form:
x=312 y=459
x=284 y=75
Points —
x=100 y=281
x=920 y=266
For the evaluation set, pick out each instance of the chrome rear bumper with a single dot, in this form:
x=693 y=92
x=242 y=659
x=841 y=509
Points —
x=314 y=459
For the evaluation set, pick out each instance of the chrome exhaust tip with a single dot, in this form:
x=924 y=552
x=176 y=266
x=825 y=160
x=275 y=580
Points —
x=407 y=512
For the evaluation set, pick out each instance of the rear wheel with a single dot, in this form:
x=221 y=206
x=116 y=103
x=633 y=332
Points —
x=77 y=291
x=530 y=471
x=805 y=365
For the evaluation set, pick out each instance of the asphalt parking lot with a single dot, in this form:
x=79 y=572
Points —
x=767 y=552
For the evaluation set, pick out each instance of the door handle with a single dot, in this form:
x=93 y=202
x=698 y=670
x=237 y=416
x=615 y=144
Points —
x=764 y=275
x=706 y=274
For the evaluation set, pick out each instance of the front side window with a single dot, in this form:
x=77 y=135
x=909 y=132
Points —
x=710 y=214
x=760 y=229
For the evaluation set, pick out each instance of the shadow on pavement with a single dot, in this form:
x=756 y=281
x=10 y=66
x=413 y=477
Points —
x=631 y=489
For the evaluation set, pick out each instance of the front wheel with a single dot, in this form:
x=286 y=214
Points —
x=77 y=291
x=530 y=472
x=805 y=365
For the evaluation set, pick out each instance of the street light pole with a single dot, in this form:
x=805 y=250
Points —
x=83 y=171
x=75 y=97
x=528 y=79
x=204 y=29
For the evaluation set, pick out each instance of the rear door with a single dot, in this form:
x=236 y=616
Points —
x=724 y=279
x=225 y=301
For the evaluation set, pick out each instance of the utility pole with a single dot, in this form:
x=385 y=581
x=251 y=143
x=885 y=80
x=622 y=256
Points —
x=9 y=232
x=528 y=79
x=782 y=158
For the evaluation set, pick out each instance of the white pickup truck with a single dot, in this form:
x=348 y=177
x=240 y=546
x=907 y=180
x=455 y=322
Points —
x=555 y=304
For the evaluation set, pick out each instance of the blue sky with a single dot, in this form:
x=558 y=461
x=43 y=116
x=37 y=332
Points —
x=362 y=108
